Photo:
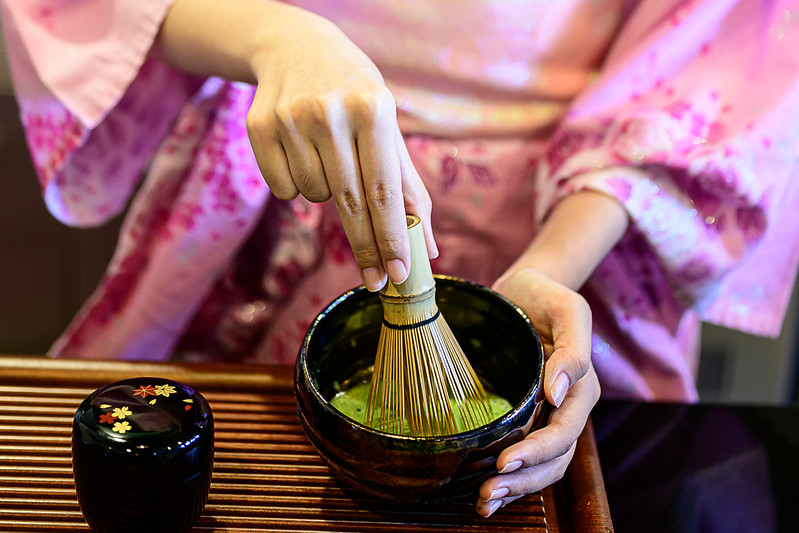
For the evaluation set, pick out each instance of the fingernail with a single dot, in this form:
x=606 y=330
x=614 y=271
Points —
x=498 y=493
x=396 y=271
x=559 y=388
x=511 y=467
x=372 y=279
x=493 y=506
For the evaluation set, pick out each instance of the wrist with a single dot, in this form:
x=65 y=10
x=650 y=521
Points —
x=268 y=45
x=575 y=238
x=236 y=39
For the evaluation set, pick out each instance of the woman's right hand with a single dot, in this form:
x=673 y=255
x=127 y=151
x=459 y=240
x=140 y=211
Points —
x=323 y=125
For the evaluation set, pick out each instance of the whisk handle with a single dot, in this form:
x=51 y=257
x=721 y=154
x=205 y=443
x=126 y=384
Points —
x=420 y=275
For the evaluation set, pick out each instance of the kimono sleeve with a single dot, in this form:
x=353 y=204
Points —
x=94 y=98
x=691 y=125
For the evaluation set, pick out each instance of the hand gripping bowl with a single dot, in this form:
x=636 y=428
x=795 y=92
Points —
x=338 y=352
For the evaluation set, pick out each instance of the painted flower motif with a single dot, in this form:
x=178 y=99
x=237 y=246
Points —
x=121 y=427
x=122 y=412
x=106 y=418
x=145 y=391
x=449 y=169
x=164 y=390
x=482 y=175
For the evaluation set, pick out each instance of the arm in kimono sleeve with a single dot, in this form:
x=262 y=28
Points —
x=691 y=125
x=94 y=98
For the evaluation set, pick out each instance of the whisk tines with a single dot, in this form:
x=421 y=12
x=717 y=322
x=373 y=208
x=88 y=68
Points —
x=422 y=384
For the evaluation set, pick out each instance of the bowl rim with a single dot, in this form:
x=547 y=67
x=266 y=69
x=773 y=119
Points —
x=532 y=395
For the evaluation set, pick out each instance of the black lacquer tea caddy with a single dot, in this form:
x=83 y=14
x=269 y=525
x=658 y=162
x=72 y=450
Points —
x=142 y=453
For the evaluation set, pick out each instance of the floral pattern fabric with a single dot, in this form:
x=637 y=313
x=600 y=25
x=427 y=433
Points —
x=683 y=110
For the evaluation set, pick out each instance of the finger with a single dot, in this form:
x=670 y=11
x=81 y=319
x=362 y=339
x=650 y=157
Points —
x=571 y=355
x=339 y=159
x=307 y=171
x=503 y=489
x=564 y=427
x=269 y=153
x=417 y=199
x=382 y=182
x=303 y=160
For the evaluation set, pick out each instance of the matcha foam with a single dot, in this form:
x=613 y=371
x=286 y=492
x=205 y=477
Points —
x=352 y=403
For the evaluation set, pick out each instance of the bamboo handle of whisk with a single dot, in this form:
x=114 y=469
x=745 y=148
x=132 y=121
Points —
x=420 y=275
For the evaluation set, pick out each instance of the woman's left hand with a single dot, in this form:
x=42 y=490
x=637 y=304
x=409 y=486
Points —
x=563 y=321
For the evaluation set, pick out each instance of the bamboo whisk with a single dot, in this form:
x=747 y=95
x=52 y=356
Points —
x=421 y=375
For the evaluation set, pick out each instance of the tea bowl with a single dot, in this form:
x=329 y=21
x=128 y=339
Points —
x=338 y=352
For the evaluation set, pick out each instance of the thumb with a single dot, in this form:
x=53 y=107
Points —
x=563 y=369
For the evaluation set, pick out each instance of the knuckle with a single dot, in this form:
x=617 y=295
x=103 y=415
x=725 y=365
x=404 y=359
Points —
x=286 y=112
x=280 y=186
x=305 y=180
x=597 y=388
x=311 y=112
x=559 y=473
x=368 y=106
x=259 y=126
x=580 y=306
x=317 y=113
x=312 y=187
x=570 y=432
x=390 y=244
x=533 y=450
x=582 y=365
x=525 y=484
x=559 y=449
x=319 y=196
x=366 y=255
x=349 y=203
x=282 y=191
x=382 y=197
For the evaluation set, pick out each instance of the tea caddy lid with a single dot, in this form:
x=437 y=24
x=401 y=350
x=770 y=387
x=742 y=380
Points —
x=146 y=420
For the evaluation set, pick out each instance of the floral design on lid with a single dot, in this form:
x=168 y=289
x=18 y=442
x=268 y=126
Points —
x=116 y=415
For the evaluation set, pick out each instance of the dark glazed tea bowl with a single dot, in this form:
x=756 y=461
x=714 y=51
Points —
x=338 y=351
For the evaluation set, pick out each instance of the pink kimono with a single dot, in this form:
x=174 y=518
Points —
x=684 y=110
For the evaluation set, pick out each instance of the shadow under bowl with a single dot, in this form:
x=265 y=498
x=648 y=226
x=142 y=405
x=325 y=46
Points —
x=503 y=348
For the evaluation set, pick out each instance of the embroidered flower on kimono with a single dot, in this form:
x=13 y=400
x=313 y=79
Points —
x=568 y=142
x=145 y=391
x=122 y=412
x=726 y=171
x=752 y=222
x=106 y=418
x=164 y=390
x=650 y=136
x=121 y=427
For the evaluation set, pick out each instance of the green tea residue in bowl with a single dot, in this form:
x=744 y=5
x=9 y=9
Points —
x=352 y=403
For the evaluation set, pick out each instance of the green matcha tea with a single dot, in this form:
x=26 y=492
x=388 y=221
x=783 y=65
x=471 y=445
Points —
x=352 y=403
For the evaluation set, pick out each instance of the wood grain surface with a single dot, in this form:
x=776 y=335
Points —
x=267 y=475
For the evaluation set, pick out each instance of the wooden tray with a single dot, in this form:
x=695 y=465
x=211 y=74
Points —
x=267 y=476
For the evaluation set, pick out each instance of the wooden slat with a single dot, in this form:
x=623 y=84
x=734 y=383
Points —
x=267 y=475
